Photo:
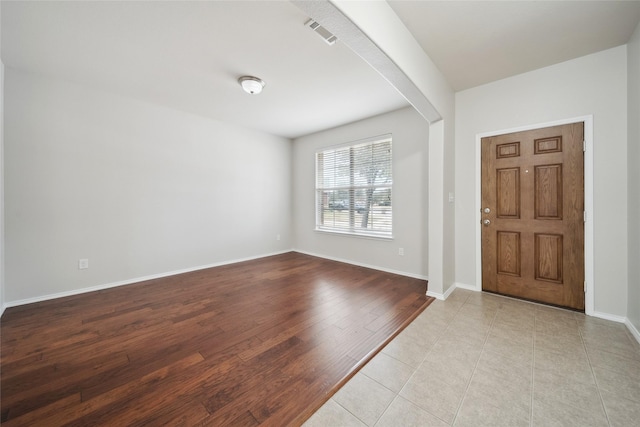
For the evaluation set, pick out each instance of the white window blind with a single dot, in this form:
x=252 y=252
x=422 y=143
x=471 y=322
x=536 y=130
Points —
x=353 y=188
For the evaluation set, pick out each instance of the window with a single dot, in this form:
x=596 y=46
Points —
x=353 y=188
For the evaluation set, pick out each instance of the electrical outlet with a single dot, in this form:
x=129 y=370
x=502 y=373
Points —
x=277 y=237
x=401 y=251
x=83 y=264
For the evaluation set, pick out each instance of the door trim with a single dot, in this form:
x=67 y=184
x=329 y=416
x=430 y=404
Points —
x=588 y=201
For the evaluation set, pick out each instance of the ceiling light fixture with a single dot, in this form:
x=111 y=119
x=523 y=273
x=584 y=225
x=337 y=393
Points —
x=250 y=84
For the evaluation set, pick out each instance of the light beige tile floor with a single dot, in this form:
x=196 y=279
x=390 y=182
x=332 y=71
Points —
x=478 y=359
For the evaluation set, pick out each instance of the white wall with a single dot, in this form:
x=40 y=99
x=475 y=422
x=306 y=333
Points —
x=633 y=165
x=136 y=188
x=410 y=190
x=592 y=85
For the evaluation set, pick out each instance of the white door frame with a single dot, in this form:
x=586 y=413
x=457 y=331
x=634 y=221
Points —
x=588 y=201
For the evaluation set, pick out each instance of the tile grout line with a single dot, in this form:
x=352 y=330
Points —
x=431 y=349
x=352 y=414
x=486 y=338
x=443 y=333
x=386 y=409
x=533 y=368
x=397 y=395
x=595 y=379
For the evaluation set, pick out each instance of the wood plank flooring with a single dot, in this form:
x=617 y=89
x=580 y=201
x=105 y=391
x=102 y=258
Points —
x=262 y=342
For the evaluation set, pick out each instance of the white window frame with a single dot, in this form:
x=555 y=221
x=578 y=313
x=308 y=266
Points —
x=383 y=211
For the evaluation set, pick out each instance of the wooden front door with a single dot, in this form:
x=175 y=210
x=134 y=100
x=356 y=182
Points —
x=533 y=215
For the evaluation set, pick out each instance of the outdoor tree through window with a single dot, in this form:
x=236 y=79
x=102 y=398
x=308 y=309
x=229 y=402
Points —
x=353 y=188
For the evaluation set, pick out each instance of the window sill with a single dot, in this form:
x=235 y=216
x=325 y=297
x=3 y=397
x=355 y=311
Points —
x=370 y=236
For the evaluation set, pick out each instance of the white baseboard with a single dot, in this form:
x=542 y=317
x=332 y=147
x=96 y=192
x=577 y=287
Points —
x=452 y=288
x=633 y=330
x=359 y=264
x=436 y=295
x=607 y=316
x=442 y=296
x=467 y=287
x=2 y=308
x=131 y=281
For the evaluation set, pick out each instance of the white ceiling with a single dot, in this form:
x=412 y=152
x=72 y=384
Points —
x=476 y=42
x=189 y=55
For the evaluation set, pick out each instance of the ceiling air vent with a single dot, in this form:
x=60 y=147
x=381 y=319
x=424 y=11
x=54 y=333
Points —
x=326 y=35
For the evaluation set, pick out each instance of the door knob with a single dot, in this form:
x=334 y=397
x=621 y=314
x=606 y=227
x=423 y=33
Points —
x=486 y=210
x=486 y=222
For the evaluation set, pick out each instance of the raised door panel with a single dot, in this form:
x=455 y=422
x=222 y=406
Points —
x=548 y=257
x=548 y=192
x=548 y=145
x=509 y=253
x=508 y=193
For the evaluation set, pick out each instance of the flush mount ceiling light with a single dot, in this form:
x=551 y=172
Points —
x=250 y=84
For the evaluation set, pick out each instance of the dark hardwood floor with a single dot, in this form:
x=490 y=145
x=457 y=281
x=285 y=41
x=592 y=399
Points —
x=259 y=342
